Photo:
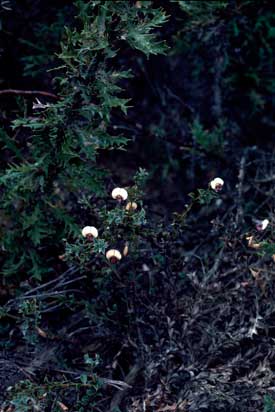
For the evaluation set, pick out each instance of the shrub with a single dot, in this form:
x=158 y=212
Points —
x=52 y=158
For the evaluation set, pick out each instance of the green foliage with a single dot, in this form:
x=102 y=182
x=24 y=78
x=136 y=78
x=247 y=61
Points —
x=204 y=197
x=201 y=12
x=238 y=74
x=117 y=228
x=257 y=77
x=139 y=33
x=199 y=19
x=269 y=404
x=27 y=396
x=267 y=248
x=211 y=141
x=44 y=178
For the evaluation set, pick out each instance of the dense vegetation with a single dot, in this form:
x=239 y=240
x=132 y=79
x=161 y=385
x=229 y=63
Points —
x=159 y=98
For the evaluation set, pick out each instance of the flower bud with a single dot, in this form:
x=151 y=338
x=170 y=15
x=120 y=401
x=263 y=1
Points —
x=126 y=249
x=252 y=244
x=89 y=232
x=113 y=255
x=119 y=194
x=131 y=206
x=217 y=184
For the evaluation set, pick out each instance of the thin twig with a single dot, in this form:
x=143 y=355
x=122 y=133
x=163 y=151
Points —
x=129 y=380
x=29 y=93
x=51 y=282
x=265 y=180
x=46 y=295
x=215 y=267
x=118 y=384
x=70 y=281
x=52 y=308
x=10 y=303
x=239 y=214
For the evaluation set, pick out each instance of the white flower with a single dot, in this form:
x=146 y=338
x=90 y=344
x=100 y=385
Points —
x=217 y=184
x=119 y=194
x=262 y=224
x=113 y=255
x=131 y=206
x=89 y=232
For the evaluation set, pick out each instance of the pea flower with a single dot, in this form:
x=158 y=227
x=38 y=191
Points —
x=113 y=255
x=119 y=194
x=217 y=184
x=89 y=232
x=262 y=224
x=131 y=206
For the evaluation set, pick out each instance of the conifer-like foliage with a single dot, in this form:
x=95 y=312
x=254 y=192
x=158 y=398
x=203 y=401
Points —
x=43 y=179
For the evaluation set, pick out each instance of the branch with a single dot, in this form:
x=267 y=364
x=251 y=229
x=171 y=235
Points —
x=29 y=93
